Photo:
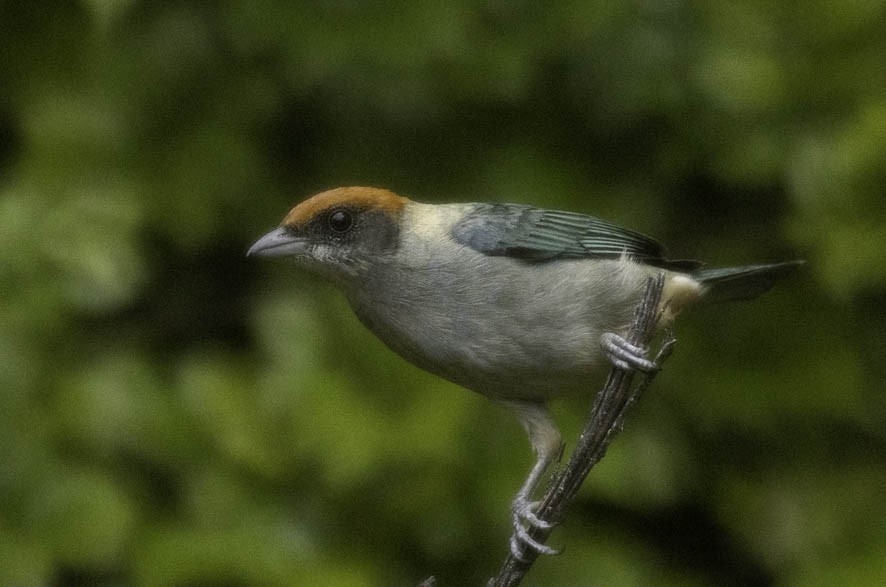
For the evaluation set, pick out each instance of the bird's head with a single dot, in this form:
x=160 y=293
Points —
x=338 y=233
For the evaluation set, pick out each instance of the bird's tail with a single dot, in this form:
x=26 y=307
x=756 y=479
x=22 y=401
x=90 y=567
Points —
x=741 y=283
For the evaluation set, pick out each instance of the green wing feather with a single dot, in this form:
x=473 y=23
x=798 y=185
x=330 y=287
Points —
x=535 y=234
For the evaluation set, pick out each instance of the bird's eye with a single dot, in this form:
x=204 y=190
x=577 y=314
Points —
x=340 y=221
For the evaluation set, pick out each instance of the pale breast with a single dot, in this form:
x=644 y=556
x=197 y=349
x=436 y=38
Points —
x=501 y=326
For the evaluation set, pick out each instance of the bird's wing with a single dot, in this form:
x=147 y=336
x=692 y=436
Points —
x=535 y=234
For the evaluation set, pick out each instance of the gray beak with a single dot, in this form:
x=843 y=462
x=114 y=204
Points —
x=277 y=243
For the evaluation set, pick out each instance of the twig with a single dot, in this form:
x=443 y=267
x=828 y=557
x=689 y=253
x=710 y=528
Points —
x=603 y=424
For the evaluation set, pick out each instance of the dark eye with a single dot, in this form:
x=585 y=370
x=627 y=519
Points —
x=340 y=221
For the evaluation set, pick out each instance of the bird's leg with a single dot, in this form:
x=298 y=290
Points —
x=545 y=439
x=625 y=355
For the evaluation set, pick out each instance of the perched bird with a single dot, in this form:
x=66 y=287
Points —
x=518 y=303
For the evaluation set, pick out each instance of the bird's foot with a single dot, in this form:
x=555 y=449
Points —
x=523 y=518
x=625 y=355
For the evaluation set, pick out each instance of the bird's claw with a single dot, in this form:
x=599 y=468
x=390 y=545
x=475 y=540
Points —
x=523 y=511
x=523 y=517
x=625 y=355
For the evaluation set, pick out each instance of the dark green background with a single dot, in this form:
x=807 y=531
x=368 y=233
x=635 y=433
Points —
x=172 y=413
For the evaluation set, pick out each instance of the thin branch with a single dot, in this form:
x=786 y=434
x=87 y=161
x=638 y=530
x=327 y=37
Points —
x=604 y=423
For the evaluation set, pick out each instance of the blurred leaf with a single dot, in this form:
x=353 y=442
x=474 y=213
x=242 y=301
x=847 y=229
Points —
x=251 y=554
x=810 y=512
x=85 y=519
x=24 y=563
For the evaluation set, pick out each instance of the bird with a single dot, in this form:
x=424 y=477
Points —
x=518 y=303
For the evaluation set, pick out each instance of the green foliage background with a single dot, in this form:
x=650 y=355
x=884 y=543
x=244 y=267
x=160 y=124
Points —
x=172 y=413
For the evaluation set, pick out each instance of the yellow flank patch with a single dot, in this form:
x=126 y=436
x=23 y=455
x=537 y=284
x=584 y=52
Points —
x=679 y=292
x=360 y=197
